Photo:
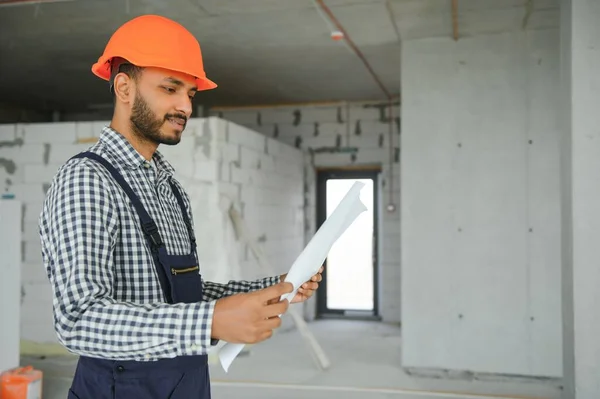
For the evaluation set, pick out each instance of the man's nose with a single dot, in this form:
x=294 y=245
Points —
x=184 y=106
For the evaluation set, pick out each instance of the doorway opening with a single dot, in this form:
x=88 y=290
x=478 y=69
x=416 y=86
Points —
x=349 y=287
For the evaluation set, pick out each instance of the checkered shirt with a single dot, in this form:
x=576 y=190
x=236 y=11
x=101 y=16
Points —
x=107 y=299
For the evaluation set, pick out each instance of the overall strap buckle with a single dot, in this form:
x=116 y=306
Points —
x=151 y=230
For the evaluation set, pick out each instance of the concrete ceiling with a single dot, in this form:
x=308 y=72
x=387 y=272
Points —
x=434 y=18
x=258 y=51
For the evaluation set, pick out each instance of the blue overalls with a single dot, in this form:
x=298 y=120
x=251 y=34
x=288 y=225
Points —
x=184 y=377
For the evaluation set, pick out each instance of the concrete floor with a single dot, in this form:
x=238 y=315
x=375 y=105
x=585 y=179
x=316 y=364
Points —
x=365 y=359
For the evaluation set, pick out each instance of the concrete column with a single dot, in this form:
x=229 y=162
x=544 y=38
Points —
x=10 y=283
x=580 y=40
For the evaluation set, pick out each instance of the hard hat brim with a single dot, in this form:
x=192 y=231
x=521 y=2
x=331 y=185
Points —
x=102 y=70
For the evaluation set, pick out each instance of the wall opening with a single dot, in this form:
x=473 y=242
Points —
x=349 y=287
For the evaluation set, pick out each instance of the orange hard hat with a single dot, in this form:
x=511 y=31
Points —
x=155 y=41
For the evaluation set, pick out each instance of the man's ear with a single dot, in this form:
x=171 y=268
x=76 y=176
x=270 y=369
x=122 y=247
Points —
x=124 y=88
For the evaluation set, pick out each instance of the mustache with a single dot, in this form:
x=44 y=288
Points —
x=180 y=117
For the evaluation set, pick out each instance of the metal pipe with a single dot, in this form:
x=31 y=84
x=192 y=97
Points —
x=455 y=19
x=391 y=206
x=353 y=46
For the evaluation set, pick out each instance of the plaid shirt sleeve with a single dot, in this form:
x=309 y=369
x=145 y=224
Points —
x=212 y=291
x=79 y=227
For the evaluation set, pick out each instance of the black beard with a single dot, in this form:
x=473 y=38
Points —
x=146 y=125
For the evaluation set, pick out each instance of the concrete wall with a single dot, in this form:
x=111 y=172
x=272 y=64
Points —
x=481 y=204
x=217 y=161
x=10 y=293
x=566 y=149
x=364 y=126
x=580 y=40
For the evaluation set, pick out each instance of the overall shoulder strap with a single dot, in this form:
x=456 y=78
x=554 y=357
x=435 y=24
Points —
x=184 y=213
x=148 y=225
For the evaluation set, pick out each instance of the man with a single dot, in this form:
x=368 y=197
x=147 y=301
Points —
x=118 y=241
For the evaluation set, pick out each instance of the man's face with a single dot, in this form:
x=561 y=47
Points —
x=162 y=105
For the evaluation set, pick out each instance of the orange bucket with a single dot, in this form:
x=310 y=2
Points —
x=21 y=383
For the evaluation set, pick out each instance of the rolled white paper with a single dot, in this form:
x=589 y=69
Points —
x=312 y=257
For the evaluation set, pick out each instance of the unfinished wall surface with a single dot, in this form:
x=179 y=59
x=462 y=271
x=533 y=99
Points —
x=481 y=204
x=566 y=164
x=218 y=162
x=30 y=155
x=10 y=293
x=320 y=131
x=580 y=40
x=223 y=164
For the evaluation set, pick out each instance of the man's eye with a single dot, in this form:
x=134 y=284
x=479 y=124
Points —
x=169 y=89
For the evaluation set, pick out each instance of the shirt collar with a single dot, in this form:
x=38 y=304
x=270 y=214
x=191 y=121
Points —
x=124 y=152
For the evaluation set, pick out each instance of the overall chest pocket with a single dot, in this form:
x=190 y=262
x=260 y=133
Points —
x=186 y=284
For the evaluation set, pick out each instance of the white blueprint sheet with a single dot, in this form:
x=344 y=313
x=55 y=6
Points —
x=312 y=257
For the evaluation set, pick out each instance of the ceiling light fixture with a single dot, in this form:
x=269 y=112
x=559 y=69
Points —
x=340 y=33
x=337 y=35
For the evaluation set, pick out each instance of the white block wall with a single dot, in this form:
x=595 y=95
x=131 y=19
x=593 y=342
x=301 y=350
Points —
x=365 y=126
x=481 y=288
x=215 y=158
x=10 y=292
x=222 y=163
x=30 y=155
x=269 y=177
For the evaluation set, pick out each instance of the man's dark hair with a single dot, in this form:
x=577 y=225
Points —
x=131 y=70
x=128 y=69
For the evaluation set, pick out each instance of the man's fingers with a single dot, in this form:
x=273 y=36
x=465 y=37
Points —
x=272 y=301
x=276 y=309
x=275 y=291
x=267 y=327
x=309 y=286
x=264 y=329
x=317 y=277
x=269 y=324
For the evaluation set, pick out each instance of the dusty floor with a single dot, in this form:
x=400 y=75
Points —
x=365 y=363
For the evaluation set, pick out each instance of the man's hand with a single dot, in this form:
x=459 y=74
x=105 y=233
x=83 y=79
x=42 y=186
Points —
x=251 y=317
x=307 y=289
